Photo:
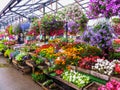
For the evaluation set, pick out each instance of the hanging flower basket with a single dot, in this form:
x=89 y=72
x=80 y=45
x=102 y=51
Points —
x=117 y=28
x=57 y=32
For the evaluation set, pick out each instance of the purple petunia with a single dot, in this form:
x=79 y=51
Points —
x=107 y=8
x=101 y=37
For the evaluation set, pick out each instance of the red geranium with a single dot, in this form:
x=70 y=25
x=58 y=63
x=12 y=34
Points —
x=117 y=68
x=87 y=62
x=59 y=72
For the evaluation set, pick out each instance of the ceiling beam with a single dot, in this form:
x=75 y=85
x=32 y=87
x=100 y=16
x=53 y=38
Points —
x=19 y=14
x=9 y=6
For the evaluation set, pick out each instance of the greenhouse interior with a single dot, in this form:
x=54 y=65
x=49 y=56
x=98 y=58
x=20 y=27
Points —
x=60 y=45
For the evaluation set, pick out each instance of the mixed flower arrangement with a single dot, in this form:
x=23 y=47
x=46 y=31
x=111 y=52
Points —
x=43 y=47
x=101 y=35
x=75 y=17
x=50 y=24
x=9 y=43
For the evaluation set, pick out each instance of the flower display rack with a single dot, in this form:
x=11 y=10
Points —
x=92 y=86
x=64 y=84
x=99 y=75
x=15 y=64
x=45 y=88
x=24 y=69
x=81 y=69
x=115 y=77
x=31 y=64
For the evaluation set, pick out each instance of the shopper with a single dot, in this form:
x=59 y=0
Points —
x=20 y=39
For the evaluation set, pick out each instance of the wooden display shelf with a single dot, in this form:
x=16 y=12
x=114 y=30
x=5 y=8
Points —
x=31 y=53
x=15 y=63
x=24 y=69
x=92 y=86
x=67 y=83
x=115 y=77
x=81 y=69
x=45 y=88
x=99 y=75
x=31 y=64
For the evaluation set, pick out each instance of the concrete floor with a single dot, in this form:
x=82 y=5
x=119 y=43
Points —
x=11 y=79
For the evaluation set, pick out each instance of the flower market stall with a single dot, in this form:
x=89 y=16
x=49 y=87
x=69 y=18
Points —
x=63 y=52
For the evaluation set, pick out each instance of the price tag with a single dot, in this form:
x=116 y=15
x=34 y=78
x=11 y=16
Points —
x=41 y=37
x=51 y=38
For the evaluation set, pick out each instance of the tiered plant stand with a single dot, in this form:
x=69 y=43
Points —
x=31 y=64
x=92 y=86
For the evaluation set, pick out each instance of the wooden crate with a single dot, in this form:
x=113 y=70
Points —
x=92 y=86
x=67 y=83
x=115 y=77
x=45 y=88
x=15 y=64
x=81 y=69
x=24 y=69
x=30 y=64
x=99 y=75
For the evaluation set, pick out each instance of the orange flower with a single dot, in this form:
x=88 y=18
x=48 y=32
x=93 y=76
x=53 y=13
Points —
x=59 y=61
x=68 y=67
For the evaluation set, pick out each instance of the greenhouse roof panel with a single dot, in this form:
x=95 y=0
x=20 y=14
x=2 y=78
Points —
x=25 y=8
x=3 y=3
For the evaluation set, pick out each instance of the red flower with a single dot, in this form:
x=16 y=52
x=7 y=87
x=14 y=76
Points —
x=117 y=68
x=87 y=62
x=59 y=72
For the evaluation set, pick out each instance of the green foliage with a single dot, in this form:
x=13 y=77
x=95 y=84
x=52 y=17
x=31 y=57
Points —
x=83 y=22
x=47 y=83
x=116 y=20
x=38 y=77
x=38 y=60
x=7 y=52
x=91 y=50
x=42 y=53
x=114 y=55
x=51 y=22
x=2 y=47
x=20 y=56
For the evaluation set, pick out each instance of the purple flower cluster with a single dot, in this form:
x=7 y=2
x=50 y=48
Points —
x=107 y=8
x=101 y=37
x=87 y=34
x=73 y=27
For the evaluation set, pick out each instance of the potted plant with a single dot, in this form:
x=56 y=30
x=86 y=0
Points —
x=51 y=25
